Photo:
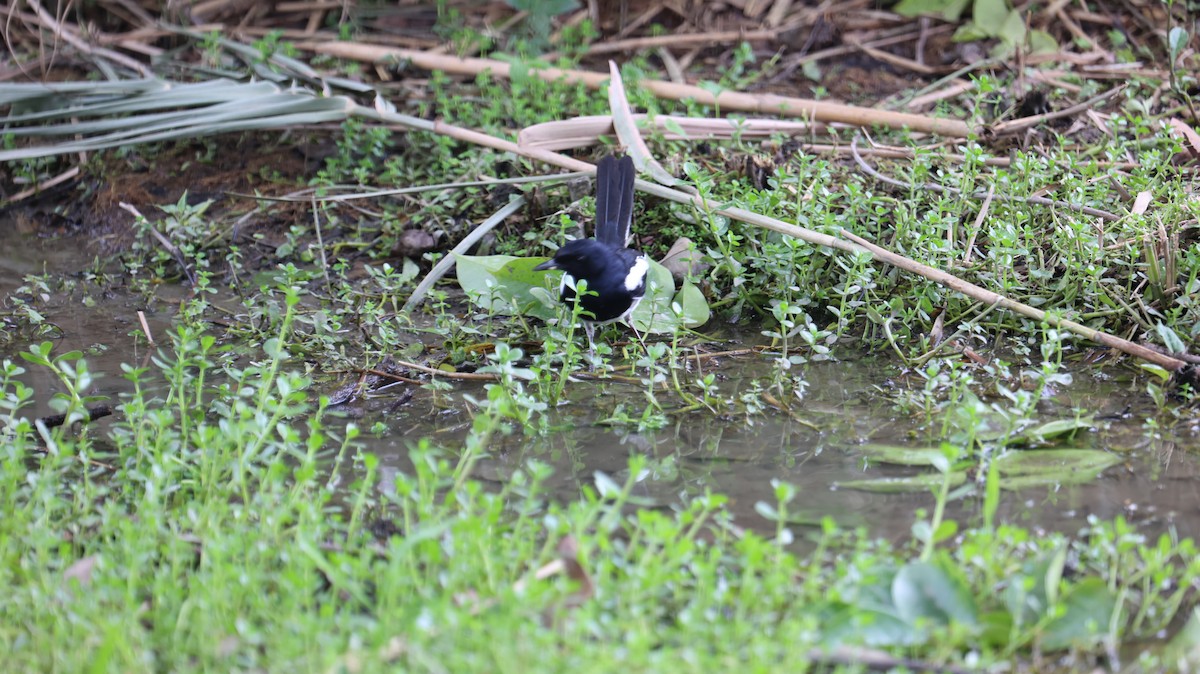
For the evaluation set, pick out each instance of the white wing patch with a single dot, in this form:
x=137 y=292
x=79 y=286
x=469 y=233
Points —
x=637 y=273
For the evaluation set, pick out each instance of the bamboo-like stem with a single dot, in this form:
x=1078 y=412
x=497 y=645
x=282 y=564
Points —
x=769 y=104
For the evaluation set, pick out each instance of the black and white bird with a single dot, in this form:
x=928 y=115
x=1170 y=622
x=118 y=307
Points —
x=615 y=274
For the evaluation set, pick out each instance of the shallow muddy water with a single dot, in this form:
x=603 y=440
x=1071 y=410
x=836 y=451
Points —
x=850 y=401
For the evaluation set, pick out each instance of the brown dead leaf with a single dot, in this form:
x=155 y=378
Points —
x=1189 y=134
x=1141 y=203
x=81 y=570
x=683 y=260
x=568 y=552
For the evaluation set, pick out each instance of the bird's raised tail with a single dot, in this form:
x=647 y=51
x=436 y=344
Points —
x=614 y=200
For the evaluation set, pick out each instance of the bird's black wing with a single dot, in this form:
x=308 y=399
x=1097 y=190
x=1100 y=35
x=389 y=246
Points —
x=614 y=200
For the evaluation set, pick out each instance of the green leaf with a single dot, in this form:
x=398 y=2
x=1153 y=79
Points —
x=970 y=32
x=1012 y=31
x=1169 y=339
x=1053 y=429
x=1041 y=42
x=867 y=626
x=922 y=590
x=950 y=10
x=505 y=284
x=1031 y=591
x=903 y=456
x=544 y=7
x=653 y=314
x=694 y=310
x=903 y=485
x=1058 y=462
x=1088 y=610
x=990 y=16
x=1177 y=39
x=1159 y=371
x=1183 y=651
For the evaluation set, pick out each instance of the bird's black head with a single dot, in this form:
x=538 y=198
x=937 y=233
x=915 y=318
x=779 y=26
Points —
x=581 y=258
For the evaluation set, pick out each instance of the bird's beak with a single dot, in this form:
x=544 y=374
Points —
x=548 y=264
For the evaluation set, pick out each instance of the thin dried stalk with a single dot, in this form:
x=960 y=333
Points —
x=767 y=104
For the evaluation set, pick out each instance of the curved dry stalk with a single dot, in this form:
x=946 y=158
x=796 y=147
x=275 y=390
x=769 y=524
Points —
x=439 y=270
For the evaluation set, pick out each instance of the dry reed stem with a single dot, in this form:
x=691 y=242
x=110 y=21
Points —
x=726 y=100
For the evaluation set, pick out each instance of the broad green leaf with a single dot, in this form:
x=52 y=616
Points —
x=990 y=16
x=950 y=10
x=1089 y=606
x=1157 y=370
x=1031 y=591
x=653 y=314
x=505 y=284
x=1177 y=39
x=903 y=485
x=1169 y=339
x=1053 y=429
x=900 y=455
x=694 y=308
x=1012 y=31
x=929 y=591
x=1041 y=42
x=1030 y=468
x=1065 y=478
x=970 y=32
x=1183 y=651
x=1056 y=462
x=545 y=7
x=867 y=626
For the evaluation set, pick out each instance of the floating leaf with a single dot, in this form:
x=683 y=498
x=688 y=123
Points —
x=1043 y=462
x=903 y=485
x=903 y=456
x=1053 y=429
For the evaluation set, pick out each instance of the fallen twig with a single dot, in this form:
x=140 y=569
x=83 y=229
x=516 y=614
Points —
x=95 y=412
x=822 y=111
x=469 y=376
